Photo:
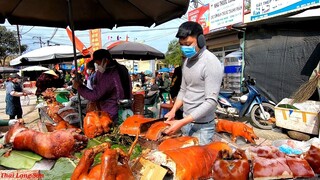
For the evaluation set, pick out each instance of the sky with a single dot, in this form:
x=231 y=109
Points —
x=158 y=37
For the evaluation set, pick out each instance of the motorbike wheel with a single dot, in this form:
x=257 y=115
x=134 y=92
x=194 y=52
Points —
x=257 y=119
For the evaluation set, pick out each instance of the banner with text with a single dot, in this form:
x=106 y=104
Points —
x=263 y=9
x=95 y=39
x=224 y=13
x=201 y=16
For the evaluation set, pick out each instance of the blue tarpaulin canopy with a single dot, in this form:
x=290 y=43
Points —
x=165 y=69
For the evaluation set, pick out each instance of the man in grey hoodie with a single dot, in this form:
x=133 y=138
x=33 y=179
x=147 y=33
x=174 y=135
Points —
x=201 y=80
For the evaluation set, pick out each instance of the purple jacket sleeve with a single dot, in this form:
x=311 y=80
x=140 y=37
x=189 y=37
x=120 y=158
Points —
x=104 y=86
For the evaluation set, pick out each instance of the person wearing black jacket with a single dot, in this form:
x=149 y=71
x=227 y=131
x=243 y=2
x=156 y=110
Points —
x=175 y=87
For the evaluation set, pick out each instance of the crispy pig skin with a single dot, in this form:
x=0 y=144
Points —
x=132 y=125
x=178 y=142
x=266 y=168
x=231 y=169
x=300 y=167
x=96 y=123
x=196 y=162
x=51 y=145
x=155 y=131
x=313 y=158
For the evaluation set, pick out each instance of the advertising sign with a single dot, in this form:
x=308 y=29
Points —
x=201 y=16
x=263 y=9
x=224 y=13
x=95 y=39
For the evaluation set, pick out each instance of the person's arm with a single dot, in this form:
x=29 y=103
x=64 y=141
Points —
x=15 y=93
x=103 y=86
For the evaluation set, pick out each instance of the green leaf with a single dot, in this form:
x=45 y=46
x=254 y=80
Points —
x=137 y=150
x=20 y=159
x=288 y=106
x=63 y=169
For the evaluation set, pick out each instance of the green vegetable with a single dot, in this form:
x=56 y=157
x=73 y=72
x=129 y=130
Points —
x=288 y=106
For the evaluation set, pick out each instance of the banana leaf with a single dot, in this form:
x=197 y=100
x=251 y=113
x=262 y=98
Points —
x=63 y=169
x=288 y=106
x=20 y=159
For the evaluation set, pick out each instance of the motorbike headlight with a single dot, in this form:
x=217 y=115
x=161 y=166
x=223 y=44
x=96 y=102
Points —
x=243 y=98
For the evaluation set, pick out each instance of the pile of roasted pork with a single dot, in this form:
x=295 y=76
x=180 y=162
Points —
x=182 y=156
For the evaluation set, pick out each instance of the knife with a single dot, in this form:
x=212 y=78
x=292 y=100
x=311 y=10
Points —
x=145 y=126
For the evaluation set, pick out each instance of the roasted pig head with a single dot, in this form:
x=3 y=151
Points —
x=228 y=167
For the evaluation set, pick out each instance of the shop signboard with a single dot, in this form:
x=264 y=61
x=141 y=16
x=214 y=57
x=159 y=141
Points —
x=263 y=9
x=95 y=39
x=201 y=16
x=224 y=13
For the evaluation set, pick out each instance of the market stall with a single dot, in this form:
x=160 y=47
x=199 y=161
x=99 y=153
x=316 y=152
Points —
x=138 y=149
x=54 y=147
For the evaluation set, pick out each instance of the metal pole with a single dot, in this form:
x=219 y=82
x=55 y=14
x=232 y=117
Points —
x=19 y=43
x=75 y=56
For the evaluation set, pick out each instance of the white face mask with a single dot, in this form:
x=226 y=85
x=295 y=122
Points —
x=95 y=66
x=102 y=68
x=88 y=71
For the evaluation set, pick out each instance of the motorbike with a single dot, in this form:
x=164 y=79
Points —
x=250 y=103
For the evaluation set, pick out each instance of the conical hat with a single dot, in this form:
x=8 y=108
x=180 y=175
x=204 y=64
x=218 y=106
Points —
x=51 y=72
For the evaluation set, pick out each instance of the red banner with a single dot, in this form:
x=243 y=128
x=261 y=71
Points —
x=201 y=16
x=79 y=45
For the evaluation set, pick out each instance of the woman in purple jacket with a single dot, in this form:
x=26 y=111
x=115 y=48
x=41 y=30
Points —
x=112 y=83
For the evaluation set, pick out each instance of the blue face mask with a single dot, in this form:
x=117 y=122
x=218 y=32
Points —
x=188 y=51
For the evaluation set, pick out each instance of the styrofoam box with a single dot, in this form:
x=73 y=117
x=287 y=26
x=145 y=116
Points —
x=306 y=119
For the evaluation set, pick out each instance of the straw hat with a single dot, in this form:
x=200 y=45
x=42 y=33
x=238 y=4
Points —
x=51 y=72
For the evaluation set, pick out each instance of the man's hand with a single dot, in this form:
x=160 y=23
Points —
x=175 y=126
x=76 y=84
x=170 y=115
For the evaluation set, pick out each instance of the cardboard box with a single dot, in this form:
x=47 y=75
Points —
x=305 y=120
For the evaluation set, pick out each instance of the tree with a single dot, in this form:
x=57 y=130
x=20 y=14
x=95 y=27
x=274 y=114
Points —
x=174 y=54
x=8 y=44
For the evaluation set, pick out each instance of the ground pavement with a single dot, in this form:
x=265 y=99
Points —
x=31 y=116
